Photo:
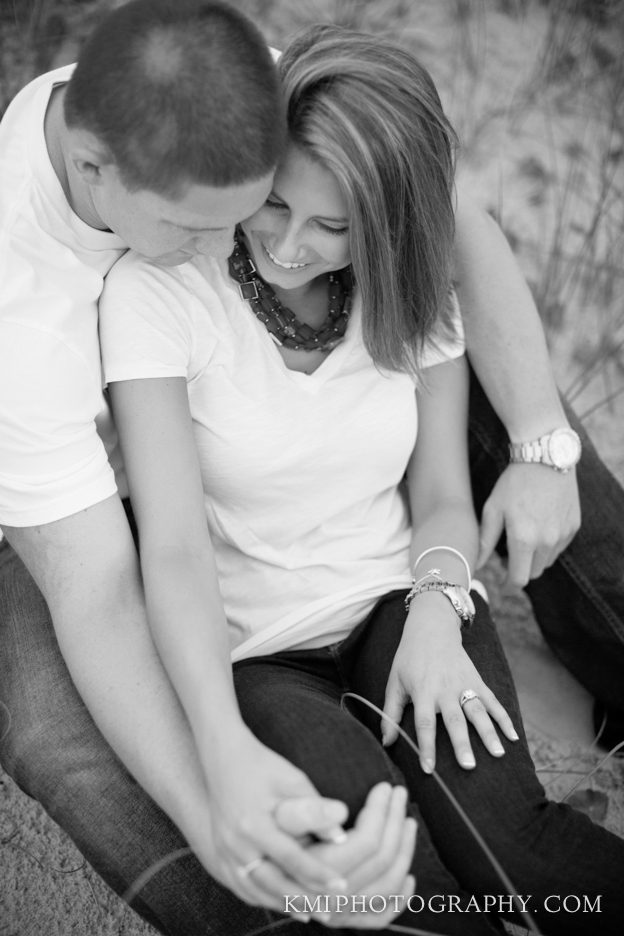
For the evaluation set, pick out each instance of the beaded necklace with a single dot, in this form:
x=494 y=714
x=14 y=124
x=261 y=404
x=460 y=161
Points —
x=283 y=325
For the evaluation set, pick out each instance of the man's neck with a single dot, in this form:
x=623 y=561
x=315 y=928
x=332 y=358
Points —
x=56 y=137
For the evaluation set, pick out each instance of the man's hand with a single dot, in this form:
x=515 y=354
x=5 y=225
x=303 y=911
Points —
x=539 y=510
x=374 y=859
x=258 y=860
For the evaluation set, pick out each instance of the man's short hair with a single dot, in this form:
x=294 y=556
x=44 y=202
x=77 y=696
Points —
x=179 y=91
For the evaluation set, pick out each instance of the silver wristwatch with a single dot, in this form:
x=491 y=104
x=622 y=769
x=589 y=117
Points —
x=456 y=594
x=559 y=449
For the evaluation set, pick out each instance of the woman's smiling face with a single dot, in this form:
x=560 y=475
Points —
x=302 y=230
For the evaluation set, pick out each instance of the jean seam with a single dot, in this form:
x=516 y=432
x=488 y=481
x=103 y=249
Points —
x=334 y=652
x=592 y=595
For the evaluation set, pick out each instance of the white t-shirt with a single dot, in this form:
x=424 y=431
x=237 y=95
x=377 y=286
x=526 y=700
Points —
x=55 y=431
x=301 y=473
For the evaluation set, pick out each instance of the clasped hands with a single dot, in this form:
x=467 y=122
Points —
x=273 y=836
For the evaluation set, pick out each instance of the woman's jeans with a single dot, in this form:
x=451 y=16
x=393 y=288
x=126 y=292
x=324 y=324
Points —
x=52 y=749
x=293 y=701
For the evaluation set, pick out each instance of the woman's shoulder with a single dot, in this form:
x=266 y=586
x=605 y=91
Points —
x=141 y=279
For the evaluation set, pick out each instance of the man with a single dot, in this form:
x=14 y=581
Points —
x=163 y=138
x=165 y=135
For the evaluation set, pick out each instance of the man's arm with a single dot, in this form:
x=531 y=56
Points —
x=86 y=567
x=537 y=506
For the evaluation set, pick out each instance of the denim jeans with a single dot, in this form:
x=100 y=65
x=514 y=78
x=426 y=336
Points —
x=55 y=753
x=579 y=601
x=292 y=702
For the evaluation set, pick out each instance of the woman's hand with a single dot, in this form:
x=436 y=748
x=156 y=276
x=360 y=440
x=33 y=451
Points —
x=375 y=860
x=432 y=670
x=259 y=861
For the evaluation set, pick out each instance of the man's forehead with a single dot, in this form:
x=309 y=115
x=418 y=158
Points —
x=197 y=205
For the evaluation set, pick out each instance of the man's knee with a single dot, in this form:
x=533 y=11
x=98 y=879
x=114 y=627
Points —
x=56 y=762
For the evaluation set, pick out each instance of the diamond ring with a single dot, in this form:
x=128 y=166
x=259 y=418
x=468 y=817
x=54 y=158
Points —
x=467 y=696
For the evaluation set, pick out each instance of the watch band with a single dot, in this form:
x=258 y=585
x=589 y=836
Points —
x=526 y=452
x=559 y=449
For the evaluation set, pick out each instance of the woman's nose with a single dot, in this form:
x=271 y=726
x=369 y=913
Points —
x=288 y=243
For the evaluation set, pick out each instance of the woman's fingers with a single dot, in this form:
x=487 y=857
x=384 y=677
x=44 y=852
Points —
x=387 y=868
x=479 y=711
x=302 y=865
x=457 y=727
x=355 y=859
x=394 y=703
x=425 y=724
x=312 y=816
x=387 y=838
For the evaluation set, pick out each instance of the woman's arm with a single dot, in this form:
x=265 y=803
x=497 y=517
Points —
x=245 y=780
x=536 y=506
x=431 y=667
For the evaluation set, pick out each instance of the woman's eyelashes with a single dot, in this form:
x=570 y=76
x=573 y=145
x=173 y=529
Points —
x=280 y=206
x=271 y=203
x=332 y=230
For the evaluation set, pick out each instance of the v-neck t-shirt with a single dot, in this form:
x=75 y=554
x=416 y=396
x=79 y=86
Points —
x=302 y=473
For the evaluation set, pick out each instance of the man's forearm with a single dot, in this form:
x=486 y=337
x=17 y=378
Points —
x=504 y=334
x=87 y=569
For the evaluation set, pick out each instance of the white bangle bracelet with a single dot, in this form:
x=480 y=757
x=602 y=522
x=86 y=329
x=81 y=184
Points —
x=449 y=549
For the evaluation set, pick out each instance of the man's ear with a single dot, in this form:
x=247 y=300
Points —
x=89 y=157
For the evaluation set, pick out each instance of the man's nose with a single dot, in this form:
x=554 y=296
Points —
x=217 y=244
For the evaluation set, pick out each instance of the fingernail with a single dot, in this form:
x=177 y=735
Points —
x=303 y=917
x=468 y=762
x=498 y=750
x=400 y=792
x=337 y=836
x=514 y=735
x=427 y=766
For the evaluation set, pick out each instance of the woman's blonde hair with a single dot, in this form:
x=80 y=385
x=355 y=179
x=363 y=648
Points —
x=368 y=111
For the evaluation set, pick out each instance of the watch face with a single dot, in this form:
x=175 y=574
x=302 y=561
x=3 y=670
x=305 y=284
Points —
x=564 y=448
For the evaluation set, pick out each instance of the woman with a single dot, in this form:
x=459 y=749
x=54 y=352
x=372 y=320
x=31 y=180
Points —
x=308 y=399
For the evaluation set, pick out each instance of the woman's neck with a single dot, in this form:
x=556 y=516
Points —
x=307 y=302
